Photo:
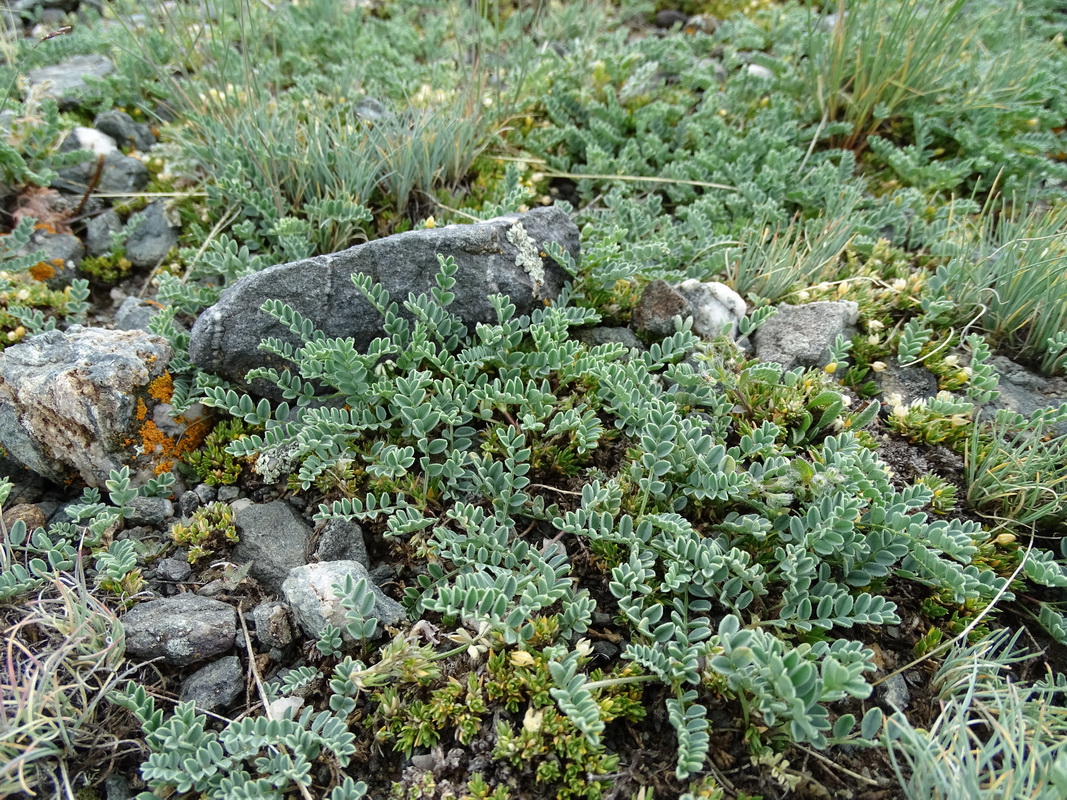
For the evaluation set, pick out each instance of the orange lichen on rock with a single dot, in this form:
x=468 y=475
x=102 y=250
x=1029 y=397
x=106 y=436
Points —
x=142 y=409
x=163 y=450
x=162 y=388
x=42 y=271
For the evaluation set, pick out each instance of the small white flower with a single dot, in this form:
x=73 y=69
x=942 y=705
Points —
x=878 y=366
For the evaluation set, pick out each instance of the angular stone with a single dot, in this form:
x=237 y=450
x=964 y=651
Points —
x=151 y=236
x=274 y=538
x=499 y=256
x=73 y=402
x=802 y=335
x=98 y=232
x=182 y=630
x=714 y=306
x=309 y=591
x=342 y=540
x=215 y=686
x=120 y=126
x=660 y=303
x=66 y=81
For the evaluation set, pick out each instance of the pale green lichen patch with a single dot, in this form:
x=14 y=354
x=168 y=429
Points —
x=528 y=256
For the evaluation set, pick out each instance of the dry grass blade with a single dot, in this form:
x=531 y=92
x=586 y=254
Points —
x=62 y=653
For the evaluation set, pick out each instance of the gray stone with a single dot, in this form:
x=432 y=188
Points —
x=274 y=540
x=714 y=307
x=135 y=314
x=910 y=383
x=119 y=175
x=660 y=303
x=711 y=305
x=182 y=630
x=274 y=625
x=151 y=511
x=98 y=232
x=370 y=109
x=151 y=236
x=1025 y=392
x=893 y=692
x=63 y=253
x=215 y=686
x=670 y=18
x=69 y=401
x=117 y=787
x=802 y=335
x=66 y=81
x=342 y=540
x=120 y=126
x=173 y=570
x=499 y=256
x=206 y=493
x=309 y=591
x=602 y=334
x=188 y=503
x=228 y=493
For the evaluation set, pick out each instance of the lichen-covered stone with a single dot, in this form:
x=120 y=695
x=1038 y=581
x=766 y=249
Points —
x=181 y=630
x=226 y=337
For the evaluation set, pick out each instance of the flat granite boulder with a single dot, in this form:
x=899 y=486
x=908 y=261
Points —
x=503 y=255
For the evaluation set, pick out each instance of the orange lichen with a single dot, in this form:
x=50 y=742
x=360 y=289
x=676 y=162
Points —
x=162 y=388
x=142 y=409
x=42 y=271
x=163 y=450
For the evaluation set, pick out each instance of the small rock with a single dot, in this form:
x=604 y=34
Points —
x=66 y=81
x=759 y=71
x=135 y=314
x=30 y=514
x=188 y=503
x=120 y=126
x=603 y=334
x=668 y=18
x=74 y=401
x=309 y=591
x=274 y=539
x=98 y=232
x=151 y=236
x=714 y=307
x=702 y=23
x=215 y=686
x=660 y=303
x=150 y=511
x=120 y=174
x=342 y=540
x=228 y=494
x=910 y=383
x=206 y=493
x=274 y=626
x=173 y=570
x=802 y=335
x=182 y=630
x=63 y=254
x=894 y=693
x=370 y=109
x=117 y=787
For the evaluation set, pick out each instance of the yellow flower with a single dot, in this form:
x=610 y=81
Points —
x=520 y=658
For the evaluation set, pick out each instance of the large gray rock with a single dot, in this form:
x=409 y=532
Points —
x=502 y=255
x=216 y=685
x=72 y=403
x=66 y=81
x=309 y=591
x=273 y=538
x=1025 y=392
x=802 y=335
x=181 y=630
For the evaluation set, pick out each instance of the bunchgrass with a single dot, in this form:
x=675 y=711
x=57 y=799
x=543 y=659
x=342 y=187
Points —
x=1012 y=278
x=994 y=739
